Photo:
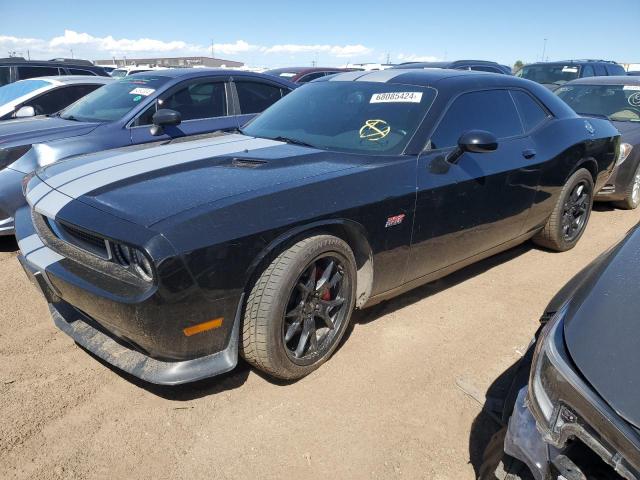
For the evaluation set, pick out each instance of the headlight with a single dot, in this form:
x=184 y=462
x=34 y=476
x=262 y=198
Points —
x=624 y=150
x=12 y=154
x=544 y=375
x=133 y=259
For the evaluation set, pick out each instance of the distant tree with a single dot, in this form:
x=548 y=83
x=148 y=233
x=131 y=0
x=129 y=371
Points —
x=517 y=66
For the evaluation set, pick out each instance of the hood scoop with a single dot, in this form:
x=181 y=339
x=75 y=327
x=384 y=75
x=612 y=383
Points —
x=247 y=162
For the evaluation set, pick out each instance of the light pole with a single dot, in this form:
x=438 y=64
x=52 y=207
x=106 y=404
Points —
x=544 y=49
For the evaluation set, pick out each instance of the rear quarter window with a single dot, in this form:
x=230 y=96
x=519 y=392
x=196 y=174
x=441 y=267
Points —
x=531 y=112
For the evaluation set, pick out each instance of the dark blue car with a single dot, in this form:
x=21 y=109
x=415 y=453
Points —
x=187 y=102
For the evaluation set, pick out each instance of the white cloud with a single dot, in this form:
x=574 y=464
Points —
x=86 y=45
x=402 y=57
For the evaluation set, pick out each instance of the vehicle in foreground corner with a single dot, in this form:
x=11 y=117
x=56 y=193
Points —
x=142 y=108
x=306 y=74
x=554 y=74
x=45 y=95
x=618 y=99
x=166 y=261
x=475 y=65
x=579 y=415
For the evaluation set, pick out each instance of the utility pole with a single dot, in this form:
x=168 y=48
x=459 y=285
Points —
x=212 y=55
x=388 y=58
x=544 y=49
x=71 y=49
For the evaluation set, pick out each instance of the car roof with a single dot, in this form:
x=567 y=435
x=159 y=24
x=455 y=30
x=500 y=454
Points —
x=73 y=79
x=53 y=63
x=606 y=80
x=305 y=70
x=451 y=63
x=418 y=76
x=196 y=72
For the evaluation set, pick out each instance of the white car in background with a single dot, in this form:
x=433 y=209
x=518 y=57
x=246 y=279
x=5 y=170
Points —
x=126 y=71
x=45 y=95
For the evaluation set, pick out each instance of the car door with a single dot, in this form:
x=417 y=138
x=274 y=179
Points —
x=480 y=202
x=254 y=96
x=203 y=104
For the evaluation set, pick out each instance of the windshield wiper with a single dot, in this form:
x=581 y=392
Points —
x=70 y=117
x=293 y=141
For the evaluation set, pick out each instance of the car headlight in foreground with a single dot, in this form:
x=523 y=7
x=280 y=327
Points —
x=624 y=150
x=565 y=407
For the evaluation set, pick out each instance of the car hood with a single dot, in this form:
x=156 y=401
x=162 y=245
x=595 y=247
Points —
x=148 y=185
x=40 y=129
x=630 y=131
x=602 y=331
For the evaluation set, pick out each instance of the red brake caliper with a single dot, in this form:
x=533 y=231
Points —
x=327 y=294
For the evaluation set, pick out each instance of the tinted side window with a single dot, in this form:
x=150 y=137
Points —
x=254 y=97
x=600 y=71
x=615 y=69
x=32 y=72
x=78 y=71
x=491 y=110
x=195 y=101
x=531 y=111
x=311 y=76
x=4 y=75
x=587 y=71
x=56 y=100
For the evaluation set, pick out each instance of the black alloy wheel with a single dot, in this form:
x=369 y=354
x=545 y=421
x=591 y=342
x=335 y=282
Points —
x=576 y=211
x=316 y=310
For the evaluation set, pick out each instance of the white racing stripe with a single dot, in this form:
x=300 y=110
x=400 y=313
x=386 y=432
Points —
x=137 y=155
x=80 y=183
x=36 y=194
x=52 y=203
x=381 y=76
x=30 y=244
x=43 y=258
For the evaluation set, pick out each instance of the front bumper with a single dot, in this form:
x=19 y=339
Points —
x=118 y=352
x=615 y=188
x=140 y=330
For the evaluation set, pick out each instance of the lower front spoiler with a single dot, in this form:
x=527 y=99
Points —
x=80 y=328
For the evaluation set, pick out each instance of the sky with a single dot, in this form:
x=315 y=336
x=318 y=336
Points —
x=331 y=33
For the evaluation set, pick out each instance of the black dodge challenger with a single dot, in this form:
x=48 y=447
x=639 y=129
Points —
x=169 y=260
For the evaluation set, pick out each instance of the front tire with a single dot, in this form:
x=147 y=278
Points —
x=632 y=193
x=571 y=214
x=300 y=307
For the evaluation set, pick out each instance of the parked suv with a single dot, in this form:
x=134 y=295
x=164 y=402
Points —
x=554 y=74
x=476 y=65
x=13 y=69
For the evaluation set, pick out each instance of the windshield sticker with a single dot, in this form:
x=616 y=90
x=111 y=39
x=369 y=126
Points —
x=142 y=91
x=137 y=98
x=564 y=89
x=570 y=69
x=374 y=130
x=634 y=99
x=288 y=74
x=397 y=97
x=631 y=87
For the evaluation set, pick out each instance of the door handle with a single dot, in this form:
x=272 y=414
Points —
x=529 y=153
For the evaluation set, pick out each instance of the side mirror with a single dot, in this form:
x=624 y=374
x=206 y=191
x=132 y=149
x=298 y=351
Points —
x=474 y=141
x=24 y=112
x=164 y=118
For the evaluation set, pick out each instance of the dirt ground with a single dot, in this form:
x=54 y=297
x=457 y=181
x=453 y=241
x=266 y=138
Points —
x=400 y=399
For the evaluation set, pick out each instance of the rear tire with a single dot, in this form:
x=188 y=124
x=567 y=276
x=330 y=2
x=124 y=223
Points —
x=570 y=216
x=631 y=194
x=299 y=308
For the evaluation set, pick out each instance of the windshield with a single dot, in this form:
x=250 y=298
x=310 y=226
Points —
x=12 y=91
x=114 y=100
x=118 y=72
x=356 y=117
x=620 y=103
x=551 y=74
